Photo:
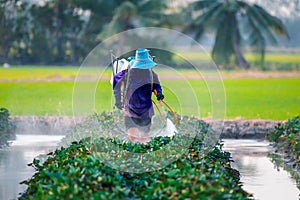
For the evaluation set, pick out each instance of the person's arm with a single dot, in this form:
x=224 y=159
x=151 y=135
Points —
x=157 y=87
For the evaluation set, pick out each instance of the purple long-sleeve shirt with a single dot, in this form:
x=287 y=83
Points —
x=137 y=102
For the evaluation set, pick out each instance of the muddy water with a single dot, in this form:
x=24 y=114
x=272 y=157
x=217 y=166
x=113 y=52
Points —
x=14 y=160
x=258 y=174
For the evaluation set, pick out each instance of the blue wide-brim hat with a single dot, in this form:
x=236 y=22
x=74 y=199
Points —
x=142 y=60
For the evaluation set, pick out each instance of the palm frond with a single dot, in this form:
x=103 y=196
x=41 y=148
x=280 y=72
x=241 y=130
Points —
x=194 y=28
x=170 y=20
x=261 y=22
x=151 y=12
x=200 y=5
x=257 y=40
x=145 y=6
x=273 y=22
x=214 y=16
x=211 y=18
x=120 y=20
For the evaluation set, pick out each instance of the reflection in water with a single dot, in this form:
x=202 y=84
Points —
x=258 y=174
x=14 y=160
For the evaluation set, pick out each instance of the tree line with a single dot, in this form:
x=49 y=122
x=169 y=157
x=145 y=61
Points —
x=63 y=32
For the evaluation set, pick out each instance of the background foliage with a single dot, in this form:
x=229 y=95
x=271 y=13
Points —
x=7 y=128
x=287 y=138
x=63 y=32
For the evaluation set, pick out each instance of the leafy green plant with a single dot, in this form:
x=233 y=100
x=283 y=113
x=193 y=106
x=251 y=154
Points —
x=79 y=171
x=7 y=128
x=289 y=129
x=286 y=140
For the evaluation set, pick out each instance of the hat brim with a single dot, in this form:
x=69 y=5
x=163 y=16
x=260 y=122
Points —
x=142 y=64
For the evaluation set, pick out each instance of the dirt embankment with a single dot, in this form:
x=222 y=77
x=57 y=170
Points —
x=45 y=125
x=60 y=125
x=191 y=75
x=243 y=128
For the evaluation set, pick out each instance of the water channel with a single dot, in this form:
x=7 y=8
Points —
x=14 y=160
x=258 y=174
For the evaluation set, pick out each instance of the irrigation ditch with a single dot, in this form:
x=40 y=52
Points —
x=239 y=130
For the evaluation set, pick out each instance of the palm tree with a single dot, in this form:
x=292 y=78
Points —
x=225 y=17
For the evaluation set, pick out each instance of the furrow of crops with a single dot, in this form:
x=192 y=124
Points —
x=91 y=168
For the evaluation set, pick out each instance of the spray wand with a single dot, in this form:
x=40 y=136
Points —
x=168 y=106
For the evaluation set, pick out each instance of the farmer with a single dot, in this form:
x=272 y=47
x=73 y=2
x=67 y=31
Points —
x=140 y=81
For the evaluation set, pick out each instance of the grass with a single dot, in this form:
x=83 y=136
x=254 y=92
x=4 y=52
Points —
x=37 y=98
x=272 y=61
x=275 y=58
x=24 y=72
x=263 y=98
x=16 y=73
x=266 y=98
x=269 y=57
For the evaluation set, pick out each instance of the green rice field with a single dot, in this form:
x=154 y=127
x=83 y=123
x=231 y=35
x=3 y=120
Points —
x=49 y=91
x=17 y=73
x=270 y=57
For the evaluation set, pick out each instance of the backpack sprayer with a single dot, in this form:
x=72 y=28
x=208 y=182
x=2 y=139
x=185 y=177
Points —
x=120 y=64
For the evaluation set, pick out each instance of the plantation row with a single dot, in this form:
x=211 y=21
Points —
x=97 y=162
x=102 y=165
x=287 y=135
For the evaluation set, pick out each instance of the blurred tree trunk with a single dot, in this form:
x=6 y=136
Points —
x=74 y=52
x=58 y=20
x=6 y=32
x=6 y=44
x=240 y=60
